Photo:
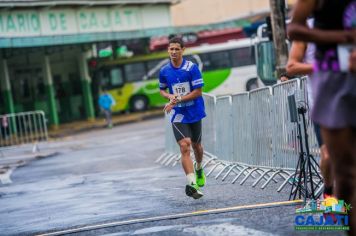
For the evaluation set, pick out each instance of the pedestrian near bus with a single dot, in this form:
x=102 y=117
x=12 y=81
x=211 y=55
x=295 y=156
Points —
x=106 y=101
x=333 y=85
x=300 y=62
x=184 y=82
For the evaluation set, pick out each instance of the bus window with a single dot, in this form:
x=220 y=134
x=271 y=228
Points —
x=104 y=79
x=215 y=60
x=153 y=68
x=242 y=57
x=116 y=78
x=192 y=58
x=110 y=78
x=266 y=62
x=134 y=72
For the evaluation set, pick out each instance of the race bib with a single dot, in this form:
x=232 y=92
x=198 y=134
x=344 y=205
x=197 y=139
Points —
x=181 y=89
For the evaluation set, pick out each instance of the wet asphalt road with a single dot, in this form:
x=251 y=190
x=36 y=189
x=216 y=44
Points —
x=109 y=176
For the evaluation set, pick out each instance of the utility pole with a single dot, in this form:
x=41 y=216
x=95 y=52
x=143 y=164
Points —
x=279 y=34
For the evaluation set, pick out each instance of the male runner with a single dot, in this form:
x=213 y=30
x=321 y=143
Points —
x=184 y=82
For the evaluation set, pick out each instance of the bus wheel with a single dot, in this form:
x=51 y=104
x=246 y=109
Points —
x=139 y=103
x=251 y=84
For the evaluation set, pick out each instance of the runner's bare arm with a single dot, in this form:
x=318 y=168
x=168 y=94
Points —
x=167 y=95
x=295 y=65
x=192 y=95
x=352 y=60
x=297 y=29
x=172 y=100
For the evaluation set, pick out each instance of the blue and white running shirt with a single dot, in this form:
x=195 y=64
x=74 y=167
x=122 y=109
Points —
x=181 y=81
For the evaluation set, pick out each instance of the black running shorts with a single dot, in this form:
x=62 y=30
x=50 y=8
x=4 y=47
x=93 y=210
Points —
x=189 y=130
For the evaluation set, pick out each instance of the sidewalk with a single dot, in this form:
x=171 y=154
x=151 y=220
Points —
x=85 y=125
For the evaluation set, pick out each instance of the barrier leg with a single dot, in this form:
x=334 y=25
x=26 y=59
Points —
x=216 y=165
x=248 y=175
x=161 y=157
x=168 y=160
x=242 y=171
x=287 y=179
x=172 y=159
x=229 y=171
x=170 y=155
x=211 y=160
x=178 y=158
x=223 y=169
x=259 y=179
x=270 y=178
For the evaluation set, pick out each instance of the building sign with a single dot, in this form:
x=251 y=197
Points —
x=67 y=21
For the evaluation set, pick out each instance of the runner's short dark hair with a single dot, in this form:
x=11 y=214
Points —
x=178 y=40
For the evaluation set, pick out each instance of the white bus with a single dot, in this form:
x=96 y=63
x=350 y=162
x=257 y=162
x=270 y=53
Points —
x=226 y=67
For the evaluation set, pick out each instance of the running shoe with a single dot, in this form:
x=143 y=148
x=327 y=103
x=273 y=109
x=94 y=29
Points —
x=193 y=191
x=200 y=176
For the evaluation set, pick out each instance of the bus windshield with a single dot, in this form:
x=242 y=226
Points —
x=265 y=54
x=266 y=62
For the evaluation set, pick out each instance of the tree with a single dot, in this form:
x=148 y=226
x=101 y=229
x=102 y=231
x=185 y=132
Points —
x=279 y=35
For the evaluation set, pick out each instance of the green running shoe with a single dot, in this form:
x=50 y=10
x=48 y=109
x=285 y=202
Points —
x=193 y=191
x=200 y=176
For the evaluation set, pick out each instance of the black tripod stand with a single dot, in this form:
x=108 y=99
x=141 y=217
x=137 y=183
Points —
x=306 y=178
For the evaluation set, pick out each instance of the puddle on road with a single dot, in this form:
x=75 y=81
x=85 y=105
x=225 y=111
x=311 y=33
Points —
x=224 y=229
x=157 y=229
x=203 y=230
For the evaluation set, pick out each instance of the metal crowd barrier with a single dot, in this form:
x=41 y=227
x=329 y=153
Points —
x=209 y=124
x=250 y=135
x=22 y=128
x=172 y=154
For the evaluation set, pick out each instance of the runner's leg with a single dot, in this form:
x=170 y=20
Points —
x=196 y=142
x=325 y=164
x=341 y=146
x=182 y=135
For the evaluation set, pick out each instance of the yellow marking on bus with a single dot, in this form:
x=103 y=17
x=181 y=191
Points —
x=174 y=216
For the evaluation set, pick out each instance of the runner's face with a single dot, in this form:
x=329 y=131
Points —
x=175 y=51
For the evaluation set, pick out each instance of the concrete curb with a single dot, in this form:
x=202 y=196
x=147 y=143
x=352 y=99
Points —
x=10 y=163
x=83 y=126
